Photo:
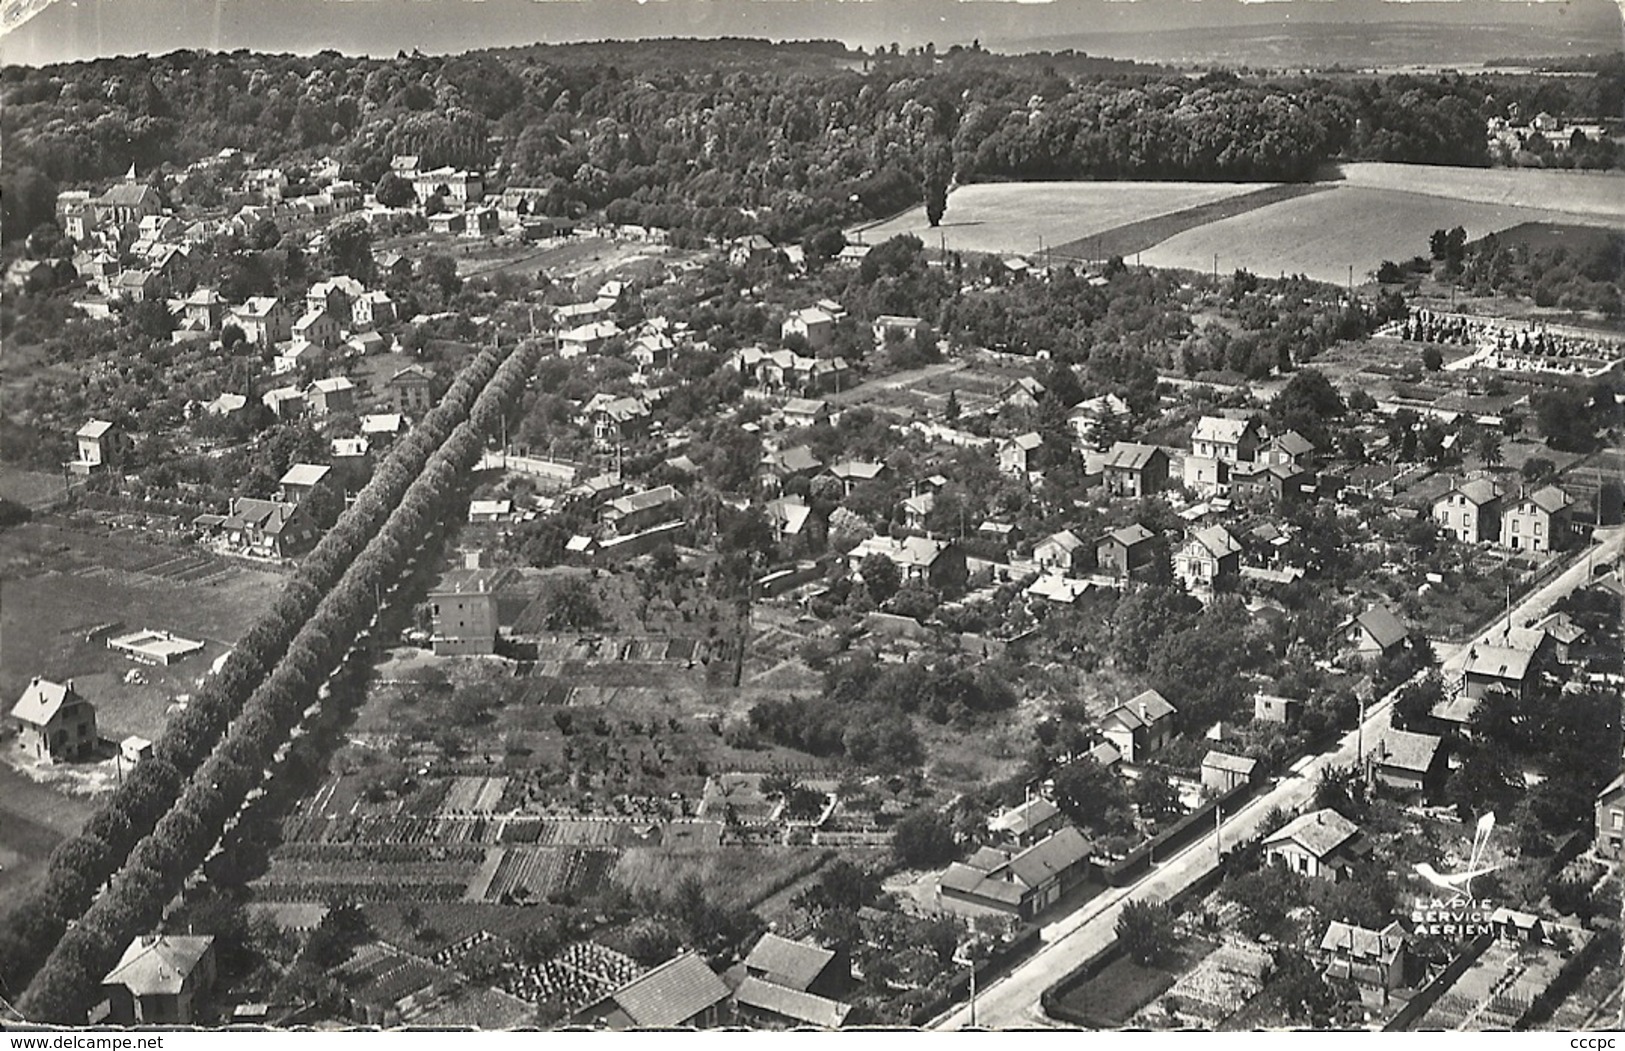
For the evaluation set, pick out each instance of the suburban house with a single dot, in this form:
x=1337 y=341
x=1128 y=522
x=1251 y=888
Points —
x=805 y=412
x=334 y=295
x=1122 y=551
x=126 y=203
x=788 y=516
x=1022 y=826
x=319 y=328
x=1003 y=882
x=1226 y=440
x=1610 y=837
x=918 y=559
x=1141 y=726
x=1269 y=708
x=410 y=390
x=1087 y=416
x=450 y=184
x=464 y=610
x=753 y=249
x=1407 y=762
x=891 y=326
x=1373 y=961
x=54 y=723
x=94 y=442
x=1222 y=771
x=1471 y=512
x=614 y=420
x=813 y=324
x=1320 y=844
x=162 y=979
x=301 y=480
x=1538 y=522
x=1021 y=394
x=798 y=965
x=371 y=309
x=795 y=462
x=1058 y=552
x=1134 y=470
x=264 y=528
x=852 y=473
x=285 y=403
x=917 y=510
x=334 y=394
x=1288 y=450
x=1209 y=558
x=1376 y=631
x=1275 y=484
x=636 y=512
x=205 y=307
x=1497 y=668
x=263 y=319
x=682 y=993
x=227 y=404
x=1566 y=637
x=1017 y=455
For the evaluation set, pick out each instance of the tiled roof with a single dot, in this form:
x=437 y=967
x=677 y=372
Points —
x=792 y=1004
x=792 y=964
x=1130 y=456
x=305 y=474
x=1362 y=943
x=1023 y=818
x=1234 y=764
x=1551 y=499
x=1320 y=832
x=1499 y=662
x=1220 y=429
x=1384 y=628
x=1066 y=540
x=1130 y=535
x=1478 y=491
x=1402 y=750
x=1217 y=540
x=671 y=994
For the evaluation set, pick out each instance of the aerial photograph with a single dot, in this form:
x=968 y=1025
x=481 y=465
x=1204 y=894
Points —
x=1093 y=515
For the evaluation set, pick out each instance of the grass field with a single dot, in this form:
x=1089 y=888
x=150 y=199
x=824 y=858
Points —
x=1324 y=234
x=1012 y=217
x=34 y=818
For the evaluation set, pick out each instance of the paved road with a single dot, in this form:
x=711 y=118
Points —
x=1012 y=1002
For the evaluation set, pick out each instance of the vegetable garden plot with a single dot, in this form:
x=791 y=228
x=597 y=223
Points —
x=533 y=873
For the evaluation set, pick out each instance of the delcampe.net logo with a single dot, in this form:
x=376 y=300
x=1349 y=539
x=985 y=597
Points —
x=1455 y=912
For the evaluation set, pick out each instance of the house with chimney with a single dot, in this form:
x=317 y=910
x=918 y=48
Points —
x=1019 y=455
x=204 y=307
x=1471 y=511
x=635 y=512
x=1123 y=551
x=331 y=395
x=1219 y=446
x=263 y=319
x=1208 y=560
x=372 y=309
x=1021 y=826
x=319 y=328
x=1002 y=881
x=1141 y=726
x=1407 y=763
x=162 y=979
x=53 y=723
x=1133 y=470
x=1291 y=450
x=1491 y=667
x=1538 y=523
x=891 y=326
x=937 y=563
x=463 y=610
x=1376 y=632
x=1373 y=962
x=1322 y=844
x=95 y=443
x=263 y=528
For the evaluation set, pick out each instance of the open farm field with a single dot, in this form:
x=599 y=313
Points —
x=1012 y=217
x=1322 y=235
x=1597 y=196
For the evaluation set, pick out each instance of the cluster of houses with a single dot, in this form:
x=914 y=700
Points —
x=1479 y=510
x=283 y=526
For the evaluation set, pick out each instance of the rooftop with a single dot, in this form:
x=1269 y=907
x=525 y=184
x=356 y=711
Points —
x=1319 y=832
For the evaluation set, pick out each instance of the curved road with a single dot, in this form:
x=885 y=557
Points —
x=1012 y=1001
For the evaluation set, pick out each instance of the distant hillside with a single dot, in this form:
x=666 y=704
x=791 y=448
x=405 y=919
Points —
x=1479 y=29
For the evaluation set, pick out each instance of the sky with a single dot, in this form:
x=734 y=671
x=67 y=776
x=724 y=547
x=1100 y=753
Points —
x=38 y=32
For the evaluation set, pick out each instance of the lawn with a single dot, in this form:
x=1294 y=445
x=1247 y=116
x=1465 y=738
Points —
x=1121 y=988
x=1353 y=225
x=62 y=581
x=734 y=877
x=1014 y=217
x=34 y=818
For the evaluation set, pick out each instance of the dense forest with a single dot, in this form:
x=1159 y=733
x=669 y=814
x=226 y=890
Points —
x=725 y=137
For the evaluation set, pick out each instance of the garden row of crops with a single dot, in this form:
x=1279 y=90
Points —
x=370 y=871
x=379 y=853
x=533 y=873
x=580 y=974
x=360 y=891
